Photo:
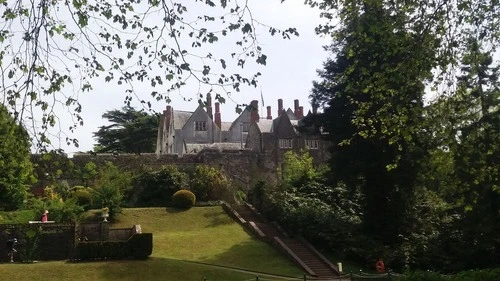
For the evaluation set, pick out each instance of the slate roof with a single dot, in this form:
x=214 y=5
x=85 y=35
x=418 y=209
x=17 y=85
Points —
x=265 y=125
x=291 y=114
x=180 y=118
x=225 y=126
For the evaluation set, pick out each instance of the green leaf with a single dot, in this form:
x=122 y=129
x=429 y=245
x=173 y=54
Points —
x=261 y=59
x=247 y=28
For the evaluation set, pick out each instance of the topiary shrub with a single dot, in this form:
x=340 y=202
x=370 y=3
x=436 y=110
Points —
x=183 y=199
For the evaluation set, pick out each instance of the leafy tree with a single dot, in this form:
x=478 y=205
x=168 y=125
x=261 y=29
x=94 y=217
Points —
x=130 y=131
x=57 y=48
x=372 y=93
x=16 y=171
x=476 y=153
x=297 y=169
x=111 y=187
x=305 y=203
x=87 y=174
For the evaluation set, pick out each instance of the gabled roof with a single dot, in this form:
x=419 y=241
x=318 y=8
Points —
x=265 y=125
x=203 y=112
x=291 y=114
x=239 y=120
x=180 y=118
x=225 y=126
x=284 y=118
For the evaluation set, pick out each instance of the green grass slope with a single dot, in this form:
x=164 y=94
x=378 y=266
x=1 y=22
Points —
x=194 y=244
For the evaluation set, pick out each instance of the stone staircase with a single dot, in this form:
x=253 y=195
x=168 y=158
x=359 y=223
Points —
x=299 y=250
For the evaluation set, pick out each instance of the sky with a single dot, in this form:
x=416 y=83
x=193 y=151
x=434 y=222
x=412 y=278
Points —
x=290 y=69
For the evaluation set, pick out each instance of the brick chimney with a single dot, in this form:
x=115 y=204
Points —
x=296 y=108
x=254 y=111
x=269 y=116
x=280 y=106
x=209 y=106
x=301 y=113
x=167 y=114
x=217 y=115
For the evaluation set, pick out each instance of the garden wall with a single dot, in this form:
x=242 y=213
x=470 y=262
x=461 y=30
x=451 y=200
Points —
x=241 y=166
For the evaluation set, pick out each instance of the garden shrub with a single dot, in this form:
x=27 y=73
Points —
x=208 y=183
x=111 y=186
x=59 y=210
x=63 y=189
x=183 y=199
x=109 y=196
x=155 y=188
x=83 y=197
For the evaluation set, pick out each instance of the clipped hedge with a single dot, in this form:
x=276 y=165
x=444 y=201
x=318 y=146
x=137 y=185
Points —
x=183 y=199
x=139 y=246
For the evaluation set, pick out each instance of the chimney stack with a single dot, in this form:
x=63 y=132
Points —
x=301 y=113
x=269 y=113
x=280 y=106
x=296 y=108
x=167 y=115
x=217 y=115
x=254 y=111
x=209 y=106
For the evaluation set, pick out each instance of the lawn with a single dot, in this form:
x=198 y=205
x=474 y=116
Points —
x=202 y=242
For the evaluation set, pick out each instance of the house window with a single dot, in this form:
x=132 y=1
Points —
x=200 y=126
x=244 y=127
x=312 y=144
x=285 y=143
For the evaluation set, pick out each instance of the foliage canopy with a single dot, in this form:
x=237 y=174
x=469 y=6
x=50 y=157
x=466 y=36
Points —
x=16 y=171
x=130 y=131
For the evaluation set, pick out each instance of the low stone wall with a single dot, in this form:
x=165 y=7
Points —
x=102 y=232
x=123 y=234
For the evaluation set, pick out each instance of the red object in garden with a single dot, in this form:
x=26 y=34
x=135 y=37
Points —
x=380 y=266
x=45 y=216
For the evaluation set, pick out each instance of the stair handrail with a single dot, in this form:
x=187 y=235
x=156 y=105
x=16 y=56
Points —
x=323 y=258
x=294 y=256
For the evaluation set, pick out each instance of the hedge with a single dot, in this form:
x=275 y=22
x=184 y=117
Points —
x=139 y=246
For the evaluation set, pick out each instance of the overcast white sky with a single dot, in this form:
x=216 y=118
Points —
x=291 y=68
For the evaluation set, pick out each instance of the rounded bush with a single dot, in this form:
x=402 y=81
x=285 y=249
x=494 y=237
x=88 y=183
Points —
x=183 y=199
x=83 y=197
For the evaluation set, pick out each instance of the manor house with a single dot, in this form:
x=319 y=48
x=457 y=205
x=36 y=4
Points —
x=189 y=132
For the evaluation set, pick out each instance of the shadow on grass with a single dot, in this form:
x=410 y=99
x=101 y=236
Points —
x=168 y=269
x=218 y=218
x=255 y=255
x=173 y=210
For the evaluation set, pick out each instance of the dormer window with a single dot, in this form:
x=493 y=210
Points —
x=200 y=126
x=285 y=143
x=244 y=127
x=312 y=144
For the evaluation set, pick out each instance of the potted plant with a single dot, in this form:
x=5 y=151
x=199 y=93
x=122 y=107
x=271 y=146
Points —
x=105 y=214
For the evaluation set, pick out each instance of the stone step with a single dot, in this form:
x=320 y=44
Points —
x=303 y=252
